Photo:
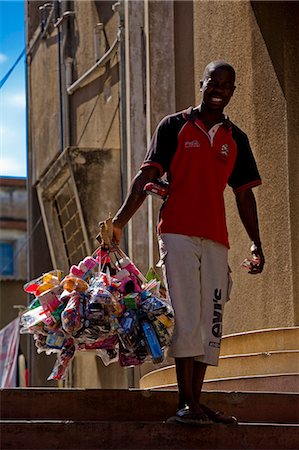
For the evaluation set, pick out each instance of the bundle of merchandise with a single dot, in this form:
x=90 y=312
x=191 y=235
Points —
x=103 y=304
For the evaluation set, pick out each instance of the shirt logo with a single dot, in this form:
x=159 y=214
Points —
x=192 y=144
x=225 y=150
x=224 y=153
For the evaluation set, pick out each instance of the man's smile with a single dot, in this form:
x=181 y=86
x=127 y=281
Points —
x=216 y=99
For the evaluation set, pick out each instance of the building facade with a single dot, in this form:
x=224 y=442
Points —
x=13 y=252
x=100 y=76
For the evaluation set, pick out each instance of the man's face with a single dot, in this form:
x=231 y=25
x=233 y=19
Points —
x=217 y=88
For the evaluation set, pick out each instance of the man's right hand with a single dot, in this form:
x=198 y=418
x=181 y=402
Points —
x=105 y=235
x=117 y=233
x=133 y=201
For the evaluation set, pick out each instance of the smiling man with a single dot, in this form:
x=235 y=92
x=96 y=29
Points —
x=200 y=151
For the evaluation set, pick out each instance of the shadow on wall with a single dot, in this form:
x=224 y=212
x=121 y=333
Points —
x=104 y=9
x=278 y=23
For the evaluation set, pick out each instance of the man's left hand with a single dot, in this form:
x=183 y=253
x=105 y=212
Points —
x=258 y=255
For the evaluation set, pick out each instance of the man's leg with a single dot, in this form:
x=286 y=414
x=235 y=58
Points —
x=180 y=257
x=199 y=370
x=190 y=375
x=184 y=373
x=214 y=282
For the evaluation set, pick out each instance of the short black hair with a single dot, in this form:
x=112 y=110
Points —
x=220 y=64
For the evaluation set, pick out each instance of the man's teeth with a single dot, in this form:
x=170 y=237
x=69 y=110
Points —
x=216 y=99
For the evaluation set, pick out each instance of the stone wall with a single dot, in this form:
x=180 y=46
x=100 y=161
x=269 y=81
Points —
x=248 y=39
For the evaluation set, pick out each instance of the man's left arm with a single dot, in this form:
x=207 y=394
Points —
x=248 y=213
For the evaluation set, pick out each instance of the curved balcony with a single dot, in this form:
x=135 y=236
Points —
x=266 y=360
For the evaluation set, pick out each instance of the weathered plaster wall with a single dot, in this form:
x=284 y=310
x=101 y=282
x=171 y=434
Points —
x=13 y=202
x=184 y=54
x=259 y=108
x=135 y=104
x=43 y=85
x=93 y=126
x=278 y=23
x=162 y=75
x=94 y=107
x=96 y=173
x=13 y=222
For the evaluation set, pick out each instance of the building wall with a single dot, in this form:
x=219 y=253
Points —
x=101 y=130
x=94 y=107
x=74 y=141
x=260 y=107
x=13 y=226
x=278 y=23
x=13 y=223
x=43 y=87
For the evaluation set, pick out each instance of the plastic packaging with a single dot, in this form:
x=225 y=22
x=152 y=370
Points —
x=55 y=340
x=83 y=269
x=44 y=283
x=126 y=263
x=152 y=342
x=251 y=263
x=108 y=356
x=114 y=310
x=72 y=315
x=61 y=366
x=154 y=306
x=33 y=317
x=72 y=283
x=159 y=189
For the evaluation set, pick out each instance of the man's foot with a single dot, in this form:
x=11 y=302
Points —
x=219 y=417
x=186 y=416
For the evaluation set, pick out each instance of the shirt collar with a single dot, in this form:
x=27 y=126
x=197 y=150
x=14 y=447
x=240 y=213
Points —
x=224 y=120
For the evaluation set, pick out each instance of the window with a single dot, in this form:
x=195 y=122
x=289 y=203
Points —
x=6 y=258
x=62 y=214
x=70 y=225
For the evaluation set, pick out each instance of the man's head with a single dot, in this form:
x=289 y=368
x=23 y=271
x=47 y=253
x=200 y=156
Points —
x=217 y=85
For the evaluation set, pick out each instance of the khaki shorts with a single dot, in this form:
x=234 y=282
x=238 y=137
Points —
x=198 y=281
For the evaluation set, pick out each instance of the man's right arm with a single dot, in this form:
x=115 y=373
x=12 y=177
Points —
x=134 y=200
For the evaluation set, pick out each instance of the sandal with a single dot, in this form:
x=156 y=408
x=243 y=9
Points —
x=184 y=415
x=219 y=417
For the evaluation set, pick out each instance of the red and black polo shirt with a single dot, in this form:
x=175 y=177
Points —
x=199 y=163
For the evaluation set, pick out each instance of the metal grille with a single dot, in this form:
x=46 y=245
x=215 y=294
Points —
x=69 y=221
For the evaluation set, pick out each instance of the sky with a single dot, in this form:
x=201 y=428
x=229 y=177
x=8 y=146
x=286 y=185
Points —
x=12 y=93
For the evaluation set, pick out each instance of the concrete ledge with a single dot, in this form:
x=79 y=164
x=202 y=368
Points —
x=255 y=364
x=140 y=405
x=267 y=340
x=272 y=352
x=166 y=376
x=281 y=383
x=145 y=435
x=271 y=383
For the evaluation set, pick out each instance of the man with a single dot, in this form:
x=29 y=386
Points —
x=201 y=151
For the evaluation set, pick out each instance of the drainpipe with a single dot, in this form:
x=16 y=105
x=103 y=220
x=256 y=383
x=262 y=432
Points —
x=29 y=192
x=120 y=8
x=63 y=71
x=46 y=16
x=132 y=376
x=97 y=40
x=148 y=134
x=105 y=58
x=61 y=146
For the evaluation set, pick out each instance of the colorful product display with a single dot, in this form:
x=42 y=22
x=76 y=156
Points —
x=100 y=305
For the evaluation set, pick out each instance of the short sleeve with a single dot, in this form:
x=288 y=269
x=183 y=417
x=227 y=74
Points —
x=245 y=173
x=163 y=144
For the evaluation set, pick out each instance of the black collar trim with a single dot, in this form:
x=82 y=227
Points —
x=191 y=114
